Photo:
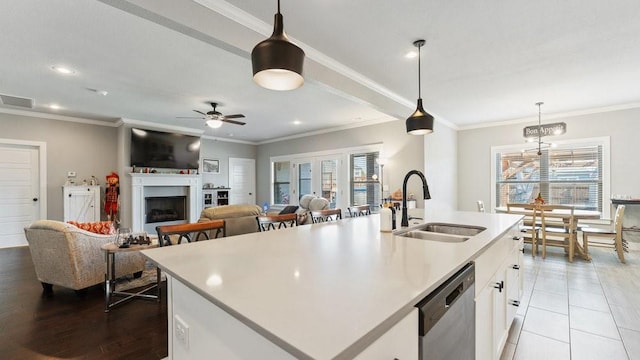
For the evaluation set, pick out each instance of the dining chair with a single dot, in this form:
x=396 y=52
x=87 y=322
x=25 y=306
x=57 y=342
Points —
x=557 y=228
x=273 y=222
x=359 y=210
x=320 y=216
x=608 y=238
x=480 y=205
x=530 y=224
x=175 y=234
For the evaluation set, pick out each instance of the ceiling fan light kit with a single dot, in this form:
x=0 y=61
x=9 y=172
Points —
x=277 y=62
x=214 y=123
x=214 y=118
x=420 y=122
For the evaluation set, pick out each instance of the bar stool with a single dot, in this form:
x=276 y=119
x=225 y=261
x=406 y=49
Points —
x=273 y=222
x=359 y=210
x=319 y=216
x=174 y=234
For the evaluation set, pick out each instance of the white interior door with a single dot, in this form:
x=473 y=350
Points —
x=242 y=181
x=20 y=195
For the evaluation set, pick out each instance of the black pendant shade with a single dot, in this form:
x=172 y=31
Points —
x=420 y=122
x=277 y=62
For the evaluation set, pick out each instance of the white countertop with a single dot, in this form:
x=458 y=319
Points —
x=325 y=291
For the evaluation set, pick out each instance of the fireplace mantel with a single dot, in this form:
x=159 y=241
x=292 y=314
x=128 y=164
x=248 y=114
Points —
x=139 y=182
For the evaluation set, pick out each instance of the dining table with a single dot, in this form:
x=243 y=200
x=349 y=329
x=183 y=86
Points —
x=565 y=215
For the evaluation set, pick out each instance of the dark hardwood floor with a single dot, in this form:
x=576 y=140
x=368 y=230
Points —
x=68 y=326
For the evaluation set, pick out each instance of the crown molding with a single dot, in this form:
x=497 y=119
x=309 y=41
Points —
x=36 y=114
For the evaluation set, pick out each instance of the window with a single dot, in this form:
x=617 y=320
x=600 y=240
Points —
x=329 y=172
x=281 y=180
x=571 y=173
x=364 y=184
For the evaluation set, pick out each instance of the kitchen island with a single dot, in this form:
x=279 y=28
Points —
x=320 y=291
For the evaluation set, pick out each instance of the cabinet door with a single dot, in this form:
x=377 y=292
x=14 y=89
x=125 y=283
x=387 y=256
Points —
x=82 y=204
x=400 y=342
x=500 y=328
x=484 y=322
x=514 y=282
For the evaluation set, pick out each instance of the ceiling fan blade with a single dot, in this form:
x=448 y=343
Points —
x=200 y=112
x=189 y=117
x=233 y=121
x=234 y=116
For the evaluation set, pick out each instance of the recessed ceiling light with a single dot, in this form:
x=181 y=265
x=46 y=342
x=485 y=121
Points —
x=411 y=55
x=297 y=122
x=55 y=107
x=63 y=70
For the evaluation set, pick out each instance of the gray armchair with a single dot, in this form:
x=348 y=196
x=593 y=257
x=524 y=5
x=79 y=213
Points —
x=67 y=256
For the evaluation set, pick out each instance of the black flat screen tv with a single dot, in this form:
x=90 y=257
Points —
x=156 y=149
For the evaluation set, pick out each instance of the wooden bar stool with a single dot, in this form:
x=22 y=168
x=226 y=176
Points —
x=359 y=210
x=319 y=216
x=273 y=222
x=174 y=234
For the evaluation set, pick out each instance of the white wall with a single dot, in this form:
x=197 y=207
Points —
x=474 y=152
x=441 y=171
x=403 y=153
x=71 y=146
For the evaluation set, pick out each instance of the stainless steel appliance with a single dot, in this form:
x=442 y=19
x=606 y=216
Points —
x=447 y=319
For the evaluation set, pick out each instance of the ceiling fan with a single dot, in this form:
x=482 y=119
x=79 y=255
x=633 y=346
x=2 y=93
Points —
x=215 y=118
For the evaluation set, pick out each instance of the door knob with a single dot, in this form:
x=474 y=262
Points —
x=35 y=199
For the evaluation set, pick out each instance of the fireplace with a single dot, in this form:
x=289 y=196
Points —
x=158 y=199
x=160 y=209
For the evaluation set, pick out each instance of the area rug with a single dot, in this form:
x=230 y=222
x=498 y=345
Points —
x=148 y=277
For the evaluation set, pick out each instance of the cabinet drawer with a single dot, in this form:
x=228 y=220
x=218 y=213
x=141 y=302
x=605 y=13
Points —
x=492 y=258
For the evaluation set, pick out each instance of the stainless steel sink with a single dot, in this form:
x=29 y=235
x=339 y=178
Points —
x=442 y=232
x=453 y=229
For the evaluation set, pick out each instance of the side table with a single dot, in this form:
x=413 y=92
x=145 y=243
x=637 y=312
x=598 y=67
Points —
x=110 y=251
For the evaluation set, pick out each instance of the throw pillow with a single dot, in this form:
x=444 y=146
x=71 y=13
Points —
x=289 y=210
x=98 y=227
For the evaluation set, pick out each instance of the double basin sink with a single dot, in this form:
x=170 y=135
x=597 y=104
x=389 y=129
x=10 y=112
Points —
x=442 y=232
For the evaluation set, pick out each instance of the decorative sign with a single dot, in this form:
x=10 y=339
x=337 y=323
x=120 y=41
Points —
x=546 y=130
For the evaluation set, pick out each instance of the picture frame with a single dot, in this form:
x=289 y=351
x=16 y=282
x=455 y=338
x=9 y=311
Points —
x=211 y=166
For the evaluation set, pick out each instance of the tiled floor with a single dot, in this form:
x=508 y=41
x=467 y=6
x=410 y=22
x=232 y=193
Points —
x=580 y=311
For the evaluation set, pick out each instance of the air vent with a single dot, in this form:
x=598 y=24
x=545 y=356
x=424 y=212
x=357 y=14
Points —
x=16 y=101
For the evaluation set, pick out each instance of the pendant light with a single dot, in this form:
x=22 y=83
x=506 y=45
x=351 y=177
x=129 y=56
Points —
x=420 y=122
x=277 y=62
x=542 y=145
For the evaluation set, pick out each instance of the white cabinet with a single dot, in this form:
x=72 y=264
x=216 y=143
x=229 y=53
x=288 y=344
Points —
x=81 y=203
x=400 y=342
x=498 y=293
x=215 y=334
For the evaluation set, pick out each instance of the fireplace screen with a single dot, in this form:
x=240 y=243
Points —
x=165 y=208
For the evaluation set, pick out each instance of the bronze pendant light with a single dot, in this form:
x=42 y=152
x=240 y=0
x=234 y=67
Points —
x=277 y=62
x=420 y=122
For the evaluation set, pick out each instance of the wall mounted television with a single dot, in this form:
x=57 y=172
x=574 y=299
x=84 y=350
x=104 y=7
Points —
x=157 y=149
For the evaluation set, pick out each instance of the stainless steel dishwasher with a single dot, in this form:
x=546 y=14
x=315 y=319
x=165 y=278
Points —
x=447 y=319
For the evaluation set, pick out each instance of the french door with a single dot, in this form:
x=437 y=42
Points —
x=318 y=176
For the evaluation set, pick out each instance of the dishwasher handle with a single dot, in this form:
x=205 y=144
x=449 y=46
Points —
x=451 y=298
